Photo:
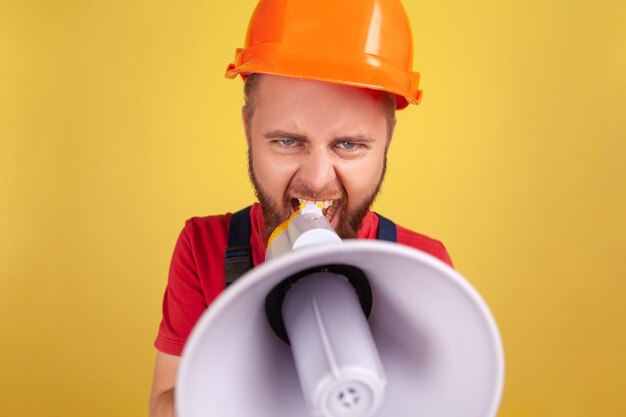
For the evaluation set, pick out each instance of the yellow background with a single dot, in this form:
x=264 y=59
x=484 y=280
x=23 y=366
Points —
x=116 y=125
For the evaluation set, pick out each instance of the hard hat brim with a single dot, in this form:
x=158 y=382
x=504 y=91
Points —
x=373 y=72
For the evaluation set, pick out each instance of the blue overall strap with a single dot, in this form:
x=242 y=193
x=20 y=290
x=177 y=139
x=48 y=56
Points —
x=386 y=229
x=238 y=254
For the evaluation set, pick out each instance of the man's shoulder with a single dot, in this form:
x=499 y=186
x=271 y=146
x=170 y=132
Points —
x=424 y=243
x=207 y=223
x=215 y=226
x=210 y=219
x=406 y=235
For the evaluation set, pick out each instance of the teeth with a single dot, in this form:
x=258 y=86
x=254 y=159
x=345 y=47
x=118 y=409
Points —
x=324 y=204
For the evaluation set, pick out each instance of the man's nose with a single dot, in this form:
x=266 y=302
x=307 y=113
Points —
x=317 y=170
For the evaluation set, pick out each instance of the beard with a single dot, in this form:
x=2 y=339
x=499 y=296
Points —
x=349 y=220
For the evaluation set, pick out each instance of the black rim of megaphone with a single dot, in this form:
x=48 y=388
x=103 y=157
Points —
x=275 y=298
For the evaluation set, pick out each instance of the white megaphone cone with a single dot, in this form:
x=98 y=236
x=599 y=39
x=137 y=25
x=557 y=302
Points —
x=368 y=329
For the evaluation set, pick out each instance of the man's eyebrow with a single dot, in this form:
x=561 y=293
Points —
x=281 y=134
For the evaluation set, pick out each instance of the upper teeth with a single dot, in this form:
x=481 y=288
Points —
x=324 y=203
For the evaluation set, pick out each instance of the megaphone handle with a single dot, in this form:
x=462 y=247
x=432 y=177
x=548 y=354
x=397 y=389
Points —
x=333 y=349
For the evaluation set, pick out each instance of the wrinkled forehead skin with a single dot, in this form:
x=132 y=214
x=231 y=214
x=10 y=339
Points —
x=259 y=85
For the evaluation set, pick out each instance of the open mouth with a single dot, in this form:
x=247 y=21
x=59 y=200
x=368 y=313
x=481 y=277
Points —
x=329 y=207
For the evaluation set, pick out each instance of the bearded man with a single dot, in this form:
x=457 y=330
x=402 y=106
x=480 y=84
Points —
x=319 y=118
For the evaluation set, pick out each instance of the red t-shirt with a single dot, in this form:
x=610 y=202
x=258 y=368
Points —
x=197 y=276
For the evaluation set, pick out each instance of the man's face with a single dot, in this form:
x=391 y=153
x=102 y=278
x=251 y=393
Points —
x=320 y=142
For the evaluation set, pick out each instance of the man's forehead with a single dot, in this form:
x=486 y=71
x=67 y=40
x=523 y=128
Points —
x=280 y=101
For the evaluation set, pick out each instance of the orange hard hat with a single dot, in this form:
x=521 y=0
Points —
x=364 y=43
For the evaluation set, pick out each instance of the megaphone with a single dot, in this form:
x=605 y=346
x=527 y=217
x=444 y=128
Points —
x=350 y=328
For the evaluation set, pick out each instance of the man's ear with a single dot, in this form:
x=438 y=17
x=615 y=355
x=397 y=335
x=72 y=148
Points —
x=244 y=122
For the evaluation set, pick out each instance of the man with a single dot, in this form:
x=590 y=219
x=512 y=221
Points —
x=319 y=117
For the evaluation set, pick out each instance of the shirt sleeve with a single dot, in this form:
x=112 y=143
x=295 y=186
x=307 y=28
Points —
x=184 y=301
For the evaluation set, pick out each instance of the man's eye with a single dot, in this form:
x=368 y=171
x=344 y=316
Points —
x=349 y=146
x=287 y=142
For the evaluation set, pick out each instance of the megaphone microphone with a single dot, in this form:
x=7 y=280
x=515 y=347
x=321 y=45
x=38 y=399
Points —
x=326 y=328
